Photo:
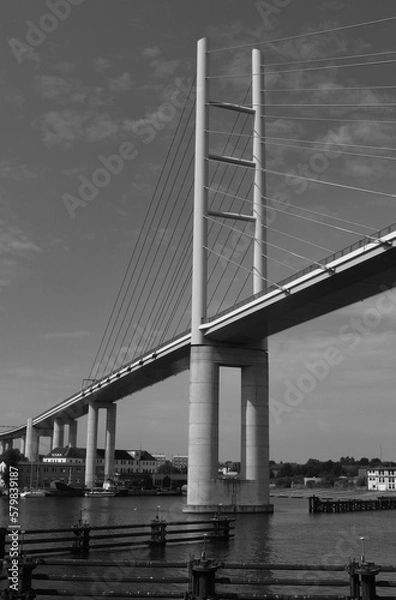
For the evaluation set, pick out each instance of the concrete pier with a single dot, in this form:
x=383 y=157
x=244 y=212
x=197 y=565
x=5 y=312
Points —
x=206 y=490
x=58 y=434
x=72 y=438
x=111 y=412
x=32 y=441
x=92 y=441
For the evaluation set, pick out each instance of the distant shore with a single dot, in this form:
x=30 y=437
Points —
x=333 y=493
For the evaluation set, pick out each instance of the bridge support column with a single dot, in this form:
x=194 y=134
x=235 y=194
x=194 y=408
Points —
x=205 y=491
x=2 y=446
x=92 y=441
x=32 y=441
x=72 y=439
x=255 y=423
x=58 y=437
x=22 y=444
x=111 y=412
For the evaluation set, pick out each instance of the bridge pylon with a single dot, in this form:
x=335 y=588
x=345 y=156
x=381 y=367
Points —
x=250 y=492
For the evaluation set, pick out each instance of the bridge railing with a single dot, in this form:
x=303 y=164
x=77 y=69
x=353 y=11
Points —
x=324 y=261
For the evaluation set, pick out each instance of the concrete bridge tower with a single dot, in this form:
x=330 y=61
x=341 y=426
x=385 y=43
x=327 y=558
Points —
x=206 y=491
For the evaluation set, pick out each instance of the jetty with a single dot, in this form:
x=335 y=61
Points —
x=341 y=505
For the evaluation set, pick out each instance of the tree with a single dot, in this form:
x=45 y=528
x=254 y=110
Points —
x=286 y=470
x=167 y=468
x=11 y=458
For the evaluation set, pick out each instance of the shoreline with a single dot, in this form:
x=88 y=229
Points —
x=329 y=493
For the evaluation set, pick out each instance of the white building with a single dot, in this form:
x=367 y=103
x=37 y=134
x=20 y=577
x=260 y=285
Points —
x=382 y=479
x=160 y=458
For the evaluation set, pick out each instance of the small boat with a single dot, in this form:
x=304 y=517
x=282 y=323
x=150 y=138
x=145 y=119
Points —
x=58 y=488
x=165 y=492
x=37 y=493
x=99 y=493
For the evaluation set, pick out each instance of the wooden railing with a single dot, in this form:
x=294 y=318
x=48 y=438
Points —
x=201 y=578
x=82 y=538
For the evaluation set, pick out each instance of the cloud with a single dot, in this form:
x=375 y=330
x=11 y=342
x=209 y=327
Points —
x=64 y=67
x=120 y=84
x=69 y=126
x=71 y=335
x=9 y=169
x=53 y=87
x=164 y=68
x=151 y=52
x=14 y=242
x=102 y=64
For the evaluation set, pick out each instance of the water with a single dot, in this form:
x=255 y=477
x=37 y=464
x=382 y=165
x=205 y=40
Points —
x=290 y=535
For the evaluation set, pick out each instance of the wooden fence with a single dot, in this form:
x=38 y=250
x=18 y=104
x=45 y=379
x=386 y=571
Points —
x=82 y=538
x=201 y=578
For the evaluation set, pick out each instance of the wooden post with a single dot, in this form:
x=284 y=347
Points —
x=368 y=572
x=354 y=582
x=81 y=545
x=27 y=567
x=4 y=579
x=221 y=527
x=203 y=574
x=3 y=534
x=158 y=532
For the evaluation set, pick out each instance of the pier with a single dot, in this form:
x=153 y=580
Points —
x=328 y=505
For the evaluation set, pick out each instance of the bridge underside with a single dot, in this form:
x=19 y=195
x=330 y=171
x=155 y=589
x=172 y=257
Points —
x=338 y=290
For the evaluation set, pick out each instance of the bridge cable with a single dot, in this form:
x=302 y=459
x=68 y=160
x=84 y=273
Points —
x=141 y=234
x=304 y=35
x=143 y=267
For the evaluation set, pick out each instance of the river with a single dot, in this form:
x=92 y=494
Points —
x=290 y=535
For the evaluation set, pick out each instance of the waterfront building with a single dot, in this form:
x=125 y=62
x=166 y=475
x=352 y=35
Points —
x=145 y=462
x=381 y=478
x=160 y=458
x=67 y=465
x=180 y=462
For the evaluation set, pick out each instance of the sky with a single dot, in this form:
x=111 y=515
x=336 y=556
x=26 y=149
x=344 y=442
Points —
x=84 y=80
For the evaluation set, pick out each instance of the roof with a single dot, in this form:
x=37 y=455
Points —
x=73 y=452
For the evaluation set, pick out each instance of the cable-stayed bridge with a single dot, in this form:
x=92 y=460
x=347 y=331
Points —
x=234 y=256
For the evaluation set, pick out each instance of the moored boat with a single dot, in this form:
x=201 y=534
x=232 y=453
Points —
x=33 y=493
x=99 y=493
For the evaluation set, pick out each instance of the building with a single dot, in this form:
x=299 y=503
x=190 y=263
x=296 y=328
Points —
x=310 y=481
x=382 y=479
x=160 y=458
x=180 y=462
x=68 y=466
x=145 y=462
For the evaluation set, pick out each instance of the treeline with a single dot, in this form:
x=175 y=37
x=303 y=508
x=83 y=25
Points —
x=329 y=471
